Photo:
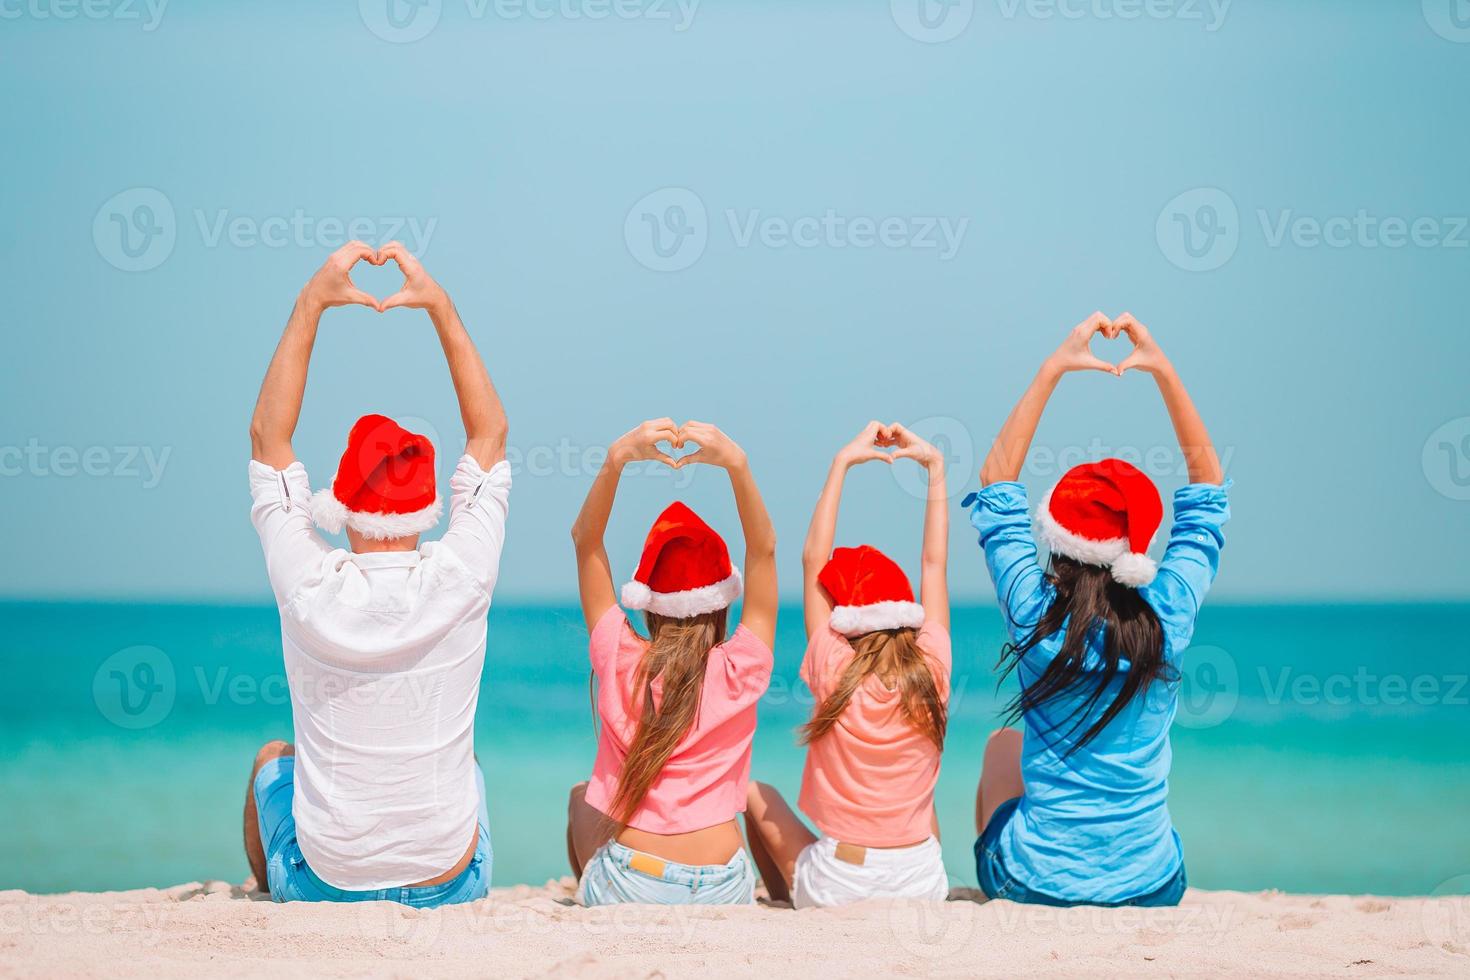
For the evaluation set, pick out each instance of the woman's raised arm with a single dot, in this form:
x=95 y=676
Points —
x=1008 y=452
x=1189 y=428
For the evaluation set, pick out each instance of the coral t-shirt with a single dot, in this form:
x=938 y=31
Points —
x=704 y=782
x=870 y=779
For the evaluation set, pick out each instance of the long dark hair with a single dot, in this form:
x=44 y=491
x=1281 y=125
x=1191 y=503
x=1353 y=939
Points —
x=1088 y=604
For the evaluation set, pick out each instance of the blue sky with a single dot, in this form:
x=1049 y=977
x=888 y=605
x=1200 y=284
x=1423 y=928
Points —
x=784 y=218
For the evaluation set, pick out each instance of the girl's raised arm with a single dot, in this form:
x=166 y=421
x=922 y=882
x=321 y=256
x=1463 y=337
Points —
x=758 y=611
x=594 y=574
x=1189 y=428
x=1008 y=452
x=823 y=529
x=934 y=559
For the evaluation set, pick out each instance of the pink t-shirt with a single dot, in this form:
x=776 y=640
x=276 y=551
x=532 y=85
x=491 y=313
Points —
x=704 y=782
x=870 y=779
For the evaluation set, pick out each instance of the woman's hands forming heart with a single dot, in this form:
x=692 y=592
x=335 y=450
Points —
x=332 y=284
x=1146 y=354
x=1075 y=353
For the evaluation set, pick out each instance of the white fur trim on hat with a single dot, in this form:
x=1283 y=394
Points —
x=1060 y=541
x=686 y=604
x=332 y=515
x=889 y=615
x=329 y=513
x=1134 y=569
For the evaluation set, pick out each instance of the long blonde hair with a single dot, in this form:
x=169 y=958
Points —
x=678 y=650
x=894 y=656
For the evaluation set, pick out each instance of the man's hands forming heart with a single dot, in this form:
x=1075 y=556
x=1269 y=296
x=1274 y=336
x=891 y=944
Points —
x=332 y=284
x=713 y=447
x=1075 y=353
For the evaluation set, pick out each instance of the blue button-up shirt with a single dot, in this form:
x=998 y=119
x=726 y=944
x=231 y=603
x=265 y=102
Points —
x=1094 y=825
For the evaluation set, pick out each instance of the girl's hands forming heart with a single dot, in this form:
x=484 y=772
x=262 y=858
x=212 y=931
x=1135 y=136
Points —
x=642 y=443
x=910 y=446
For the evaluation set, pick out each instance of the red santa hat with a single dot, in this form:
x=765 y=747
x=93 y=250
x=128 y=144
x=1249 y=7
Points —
x=869 y=592
x=685 y=570
x=384 y=486
x=1104 y=513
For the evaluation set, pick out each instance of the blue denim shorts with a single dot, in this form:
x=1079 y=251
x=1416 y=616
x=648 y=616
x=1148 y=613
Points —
x=618 y=874
x=292 y=880
x=996 y=880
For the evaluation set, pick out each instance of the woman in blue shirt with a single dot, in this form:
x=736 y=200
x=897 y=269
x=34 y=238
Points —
x=1072 y=809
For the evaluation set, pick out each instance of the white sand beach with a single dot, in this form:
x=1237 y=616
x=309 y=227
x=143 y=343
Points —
x=219 y=930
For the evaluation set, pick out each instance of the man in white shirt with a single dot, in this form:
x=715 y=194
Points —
x=381 y=797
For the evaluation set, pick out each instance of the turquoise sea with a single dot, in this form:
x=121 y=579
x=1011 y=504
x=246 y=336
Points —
x=1319 y=749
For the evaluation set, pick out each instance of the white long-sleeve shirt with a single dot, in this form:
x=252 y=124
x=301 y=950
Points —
x=383 y=654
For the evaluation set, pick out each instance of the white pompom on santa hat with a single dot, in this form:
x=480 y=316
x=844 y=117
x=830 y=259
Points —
x=685 y=570
x=1105 y=513
x=869 y=592
x=384 y=487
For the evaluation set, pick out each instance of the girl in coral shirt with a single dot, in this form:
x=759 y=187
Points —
x=879 y=665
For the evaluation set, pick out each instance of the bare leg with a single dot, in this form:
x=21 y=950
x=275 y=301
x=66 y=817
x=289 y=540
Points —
x=1000 y=774
x=587 y=829
x=776 y=886
x=254 y=847
x=776 y=835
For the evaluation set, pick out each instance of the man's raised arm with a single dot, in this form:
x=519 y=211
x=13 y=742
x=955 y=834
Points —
x=278 y=407
x=485 y=424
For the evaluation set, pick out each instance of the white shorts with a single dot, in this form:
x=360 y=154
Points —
x=823 y=879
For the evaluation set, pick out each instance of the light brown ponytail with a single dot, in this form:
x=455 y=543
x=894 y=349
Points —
x=894 y=656
x=677 y=653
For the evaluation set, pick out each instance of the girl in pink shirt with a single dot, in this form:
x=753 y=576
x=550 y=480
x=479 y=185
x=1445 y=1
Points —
x=879 y=665
x=656 y=823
